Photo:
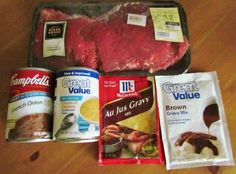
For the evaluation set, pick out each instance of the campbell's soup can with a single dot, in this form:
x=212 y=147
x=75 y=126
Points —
x=76 y=106
x=30 y=107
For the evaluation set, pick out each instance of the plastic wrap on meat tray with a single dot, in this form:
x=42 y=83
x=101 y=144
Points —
x=99 y=36
x=121 y=46
x=78 y=52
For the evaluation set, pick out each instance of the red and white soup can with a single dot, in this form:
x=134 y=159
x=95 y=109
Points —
x=30 y=107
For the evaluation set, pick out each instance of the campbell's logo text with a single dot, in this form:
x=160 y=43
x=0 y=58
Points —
x=35 y=80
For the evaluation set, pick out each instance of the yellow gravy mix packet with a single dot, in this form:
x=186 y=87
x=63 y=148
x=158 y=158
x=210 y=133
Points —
x=193 y=123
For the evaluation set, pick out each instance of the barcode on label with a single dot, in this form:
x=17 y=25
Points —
x=165 y=36
x=162 y=34
x=173 y=26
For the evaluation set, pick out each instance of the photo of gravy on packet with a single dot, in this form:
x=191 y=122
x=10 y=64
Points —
x=129 y=127
x=193 y=123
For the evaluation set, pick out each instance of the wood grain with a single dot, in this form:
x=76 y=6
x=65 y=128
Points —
x=212 y=27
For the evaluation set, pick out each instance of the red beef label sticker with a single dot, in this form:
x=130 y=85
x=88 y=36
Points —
x=129 y=125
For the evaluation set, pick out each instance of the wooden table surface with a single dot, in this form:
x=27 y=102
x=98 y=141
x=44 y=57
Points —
x=212 y=27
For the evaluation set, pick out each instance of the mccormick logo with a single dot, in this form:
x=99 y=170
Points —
x=35 y=80
x=127 y=86
x=127 y=89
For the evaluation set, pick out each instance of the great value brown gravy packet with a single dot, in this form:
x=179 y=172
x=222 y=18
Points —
x=193 y=123
x=129 y=126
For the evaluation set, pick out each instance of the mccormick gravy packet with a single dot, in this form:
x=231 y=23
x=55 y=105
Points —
x=129 y=127
x=193 y=123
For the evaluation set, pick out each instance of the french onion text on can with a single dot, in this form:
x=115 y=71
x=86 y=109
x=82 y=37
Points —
x=30 y=107
x=76 y=106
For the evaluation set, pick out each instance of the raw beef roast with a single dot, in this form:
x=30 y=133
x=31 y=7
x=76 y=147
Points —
x=126 y=47
x=108 y=43
x=77 y=51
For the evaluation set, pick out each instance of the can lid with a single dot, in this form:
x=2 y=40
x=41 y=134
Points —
x=77 y=68
x=33 y=68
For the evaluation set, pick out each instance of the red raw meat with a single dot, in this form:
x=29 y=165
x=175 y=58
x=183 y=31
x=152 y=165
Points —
x=127 y=47
x=108 y=43
x=83 y=51
x=78 y=51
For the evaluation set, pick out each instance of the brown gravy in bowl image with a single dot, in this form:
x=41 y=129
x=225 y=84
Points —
x=199 y=141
